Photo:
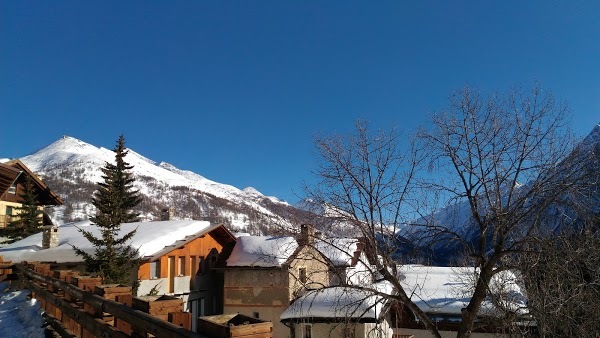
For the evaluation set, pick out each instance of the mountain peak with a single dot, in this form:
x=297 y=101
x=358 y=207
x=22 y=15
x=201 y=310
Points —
x=252 y=190
x=73 y=167
x=593 y=137
x=67 y=149
x=68 y=142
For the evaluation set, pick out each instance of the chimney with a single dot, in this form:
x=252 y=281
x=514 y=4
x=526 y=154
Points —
x=50 y=237
x=167 y=214
x=307 y=234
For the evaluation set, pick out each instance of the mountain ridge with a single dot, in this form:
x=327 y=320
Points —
x=72 y=167
x=458 y=214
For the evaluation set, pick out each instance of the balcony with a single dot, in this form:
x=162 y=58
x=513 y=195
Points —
x=5 y=220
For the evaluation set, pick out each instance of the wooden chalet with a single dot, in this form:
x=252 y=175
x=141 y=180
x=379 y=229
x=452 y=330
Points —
x=12 y=179
x=176 y=258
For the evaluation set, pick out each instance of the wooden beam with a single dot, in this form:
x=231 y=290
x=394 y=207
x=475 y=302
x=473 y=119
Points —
x=139 y=319
x=94 y=325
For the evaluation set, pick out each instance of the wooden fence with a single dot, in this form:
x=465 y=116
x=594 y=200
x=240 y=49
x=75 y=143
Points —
x=80 y=306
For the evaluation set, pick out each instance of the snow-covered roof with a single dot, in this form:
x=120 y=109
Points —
x=150 y=238
x=339 y=251
x=240 y=234
x=336 y=303
x=262 y=251
x=446 y=290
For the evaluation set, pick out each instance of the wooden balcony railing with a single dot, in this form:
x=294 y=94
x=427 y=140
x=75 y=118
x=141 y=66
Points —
x=5 y=220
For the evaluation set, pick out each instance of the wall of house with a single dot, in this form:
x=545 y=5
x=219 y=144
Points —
x=375 y=330
x=5 y=219
x=187 y=272
x=153 y=286
x=340 y=330
x=265 y=291
x=317 y=272
x=199 y=249
x=417 y=333
x=325 y=330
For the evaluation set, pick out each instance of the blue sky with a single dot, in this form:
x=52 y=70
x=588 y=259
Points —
x=236 y=91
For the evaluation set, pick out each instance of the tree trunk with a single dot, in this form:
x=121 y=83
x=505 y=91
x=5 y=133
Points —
x=469 y=314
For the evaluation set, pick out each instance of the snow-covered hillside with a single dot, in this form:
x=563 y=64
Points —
x=73 y=167
x=73 y=152
x=457 y=218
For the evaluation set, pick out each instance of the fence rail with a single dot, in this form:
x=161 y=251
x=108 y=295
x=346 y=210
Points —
x=86 y=311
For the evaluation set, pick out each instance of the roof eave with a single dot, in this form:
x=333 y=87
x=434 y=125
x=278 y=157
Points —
x=185 y=241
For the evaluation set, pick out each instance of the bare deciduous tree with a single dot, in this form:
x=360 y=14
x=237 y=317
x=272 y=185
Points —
x=563 y=284
x=511 y=160
x=365 y=182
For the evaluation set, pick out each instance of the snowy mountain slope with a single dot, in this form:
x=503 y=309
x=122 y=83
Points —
x=72 y=167
x=457 y=217
x=71 y=151
x=593 y=139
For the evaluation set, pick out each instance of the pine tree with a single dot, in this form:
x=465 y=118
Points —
x=114 y=260
x=27 y=221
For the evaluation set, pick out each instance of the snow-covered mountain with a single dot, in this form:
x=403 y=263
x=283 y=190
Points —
x=458 y=219
x=72 y=168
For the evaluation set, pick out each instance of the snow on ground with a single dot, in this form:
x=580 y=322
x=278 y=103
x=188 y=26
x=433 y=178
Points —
x=19 y=315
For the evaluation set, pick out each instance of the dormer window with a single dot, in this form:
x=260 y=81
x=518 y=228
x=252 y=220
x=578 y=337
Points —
x=12 y=189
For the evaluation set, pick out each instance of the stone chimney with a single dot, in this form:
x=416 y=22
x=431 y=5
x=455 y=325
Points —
x=50 y=237
x=167 y=214
x=307 y=234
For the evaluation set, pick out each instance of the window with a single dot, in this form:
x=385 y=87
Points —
x=201 y=265
x=202 y=307
x=307 y=331
x=193 y=265
x=348 y=332
x=155 y=269
x=213 y=261
x=9 y=211
x=181 y=266
x=302 y=275
x=12 y=189
x=171 y=269
x=255 y=314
